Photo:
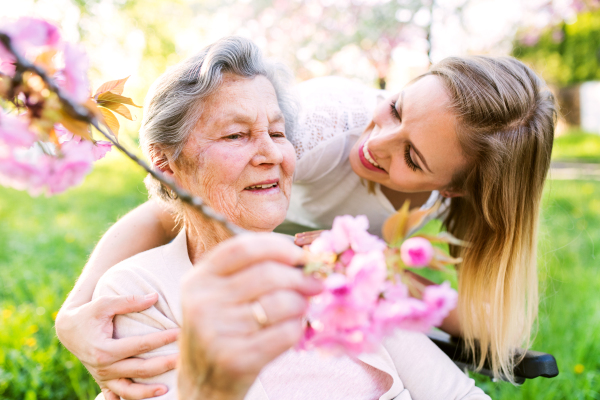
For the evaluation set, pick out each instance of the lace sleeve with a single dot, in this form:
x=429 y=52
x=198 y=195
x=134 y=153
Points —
x=331 y=106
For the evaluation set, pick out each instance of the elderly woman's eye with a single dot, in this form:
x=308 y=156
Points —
x=277 y=134
x=233 y=136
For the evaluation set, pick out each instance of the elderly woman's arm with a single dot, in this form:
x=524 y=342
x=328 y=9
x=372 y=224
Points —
x=81 y=325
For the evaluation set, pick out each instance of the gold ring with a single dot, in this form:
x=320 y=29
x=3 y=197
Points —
x=259 y=313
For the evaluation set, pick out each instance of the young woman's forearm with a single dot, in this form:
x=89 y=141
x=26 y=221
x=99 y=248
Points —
x=148 y=226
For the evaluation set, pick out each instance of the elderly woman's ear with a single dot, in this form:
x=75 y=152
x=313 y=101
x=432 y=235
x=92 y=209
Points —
x=161 y=160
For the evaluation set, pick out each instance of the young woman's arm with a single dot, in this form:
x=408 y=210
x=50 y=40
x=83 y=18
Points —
x=85 y=327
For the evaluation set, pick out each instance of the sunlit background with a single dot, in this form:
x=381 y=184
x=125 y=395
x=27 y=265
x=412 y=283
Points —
x=44 y=242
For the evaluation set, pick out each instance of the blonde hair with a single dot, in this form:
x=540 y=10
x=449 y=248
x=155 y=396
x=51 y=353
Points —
x=506 y=118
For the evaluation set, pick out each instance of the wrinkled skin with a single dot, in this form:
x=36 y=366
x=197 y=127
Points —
x=239 y=142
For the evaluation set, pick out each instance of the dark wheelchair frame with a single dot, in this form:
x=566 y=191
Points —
x=533 y=365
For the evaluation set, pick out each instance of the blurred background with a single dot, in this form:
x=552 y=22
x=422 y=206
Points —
x=45 y=242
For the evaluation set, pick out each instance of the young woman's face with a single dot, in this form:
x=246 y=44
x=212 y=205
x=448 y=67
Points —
x=411 y=145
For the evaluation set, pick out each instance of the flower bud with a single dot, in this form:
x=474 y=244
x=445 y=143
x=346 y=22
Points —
x=416 y=252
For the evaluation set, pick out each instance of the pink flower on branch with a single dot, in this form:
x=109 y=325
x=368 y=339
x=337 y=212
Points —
x=22 y=175
x=101 y=148
x=348 y=233
x=15 y=132
x=359 y=305
x=69 y=170
x=75 y=72
x=416 y=252
x=26 y=33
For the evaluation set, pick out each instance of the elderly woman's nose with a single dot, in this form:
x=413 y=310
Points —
x=267 y=151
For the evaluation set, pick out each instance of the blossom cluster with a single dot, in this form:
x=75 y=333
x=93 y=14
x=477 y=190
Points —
x=365 y=298
x=37 y=152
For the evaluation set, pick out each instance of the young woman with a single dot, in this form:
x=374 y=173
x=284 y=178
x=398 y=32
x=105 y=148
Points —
x=477 y=131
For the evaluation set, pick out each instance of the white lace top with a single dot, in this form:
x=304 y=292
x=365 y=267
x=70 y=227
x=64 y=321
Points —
x=334 y=113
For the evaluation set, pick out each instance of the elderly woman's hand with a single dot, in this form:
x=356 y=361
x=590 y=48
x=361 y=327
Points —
x=242 y=307
x=87 y=332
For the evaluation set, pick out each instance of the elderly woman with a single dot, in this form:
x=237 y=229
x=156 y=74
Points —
x=216 y=124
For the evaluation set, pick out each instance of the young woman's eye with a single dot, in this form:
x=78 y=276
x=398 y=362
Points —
x=409 y=160
x=394 y=111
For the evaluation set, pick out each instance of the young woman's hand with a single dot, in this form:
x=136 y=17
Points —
x=87 y=332
x=242 y=307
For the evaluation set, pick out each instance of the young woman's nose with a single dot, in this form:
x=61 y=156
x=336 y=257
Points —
x=266 y=151
x=386 y=141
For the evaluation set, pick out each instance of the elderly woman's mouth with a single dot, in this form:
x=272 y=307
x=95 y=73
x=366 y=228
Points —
x=264 y=187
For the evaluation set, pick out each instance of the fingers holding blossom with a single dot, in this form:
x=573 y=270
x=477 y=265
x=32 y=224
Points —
x=242 y=307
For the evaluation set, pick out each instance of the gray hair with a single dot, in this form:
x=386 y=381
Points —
x=174 y=103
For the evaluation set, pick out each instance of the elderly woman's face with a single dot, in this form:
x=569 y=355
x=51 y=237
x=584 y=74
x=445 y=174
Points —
x=238 y=158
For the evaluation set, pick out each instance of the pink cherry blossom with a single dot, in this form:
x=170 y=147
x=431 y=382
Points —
x=416 y=252
x=346 y=257
x=101 y=148
x=399 y=311
x=440 y=300
x=22 y=175
x=348 y=233
x=339 y=320
x=69 y=170
x=75 y=72
x=27 y=33
x=359 y=305
x=7 y=67
x=367 y=272
x=15 y=132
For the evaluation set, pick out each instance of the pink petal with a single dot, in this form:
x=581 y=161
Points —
x=100 y=149
x=75 y=72
x=15 y=131
x=416 y=252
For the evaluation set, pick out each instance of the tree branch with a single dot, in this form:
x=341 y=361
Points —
x=81 y=113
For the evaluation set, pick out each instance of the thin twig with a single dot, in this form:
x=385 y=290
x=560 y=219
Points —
x=81 y=113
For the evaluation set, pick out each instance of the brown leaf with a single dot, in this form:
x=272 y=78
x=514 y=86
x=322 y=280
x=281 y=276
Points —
x=417 y=216
x=44 y=60
x=112 y=86
x=91 y=105
x=116 y=107
x=111 y=121
x=117 y=98
x=394 y=227
x=76 y=127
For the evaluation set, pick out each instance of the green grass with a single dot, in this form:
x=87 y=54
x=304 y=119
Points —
x=577 y=146
x=569 y=256
x=44 y=243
